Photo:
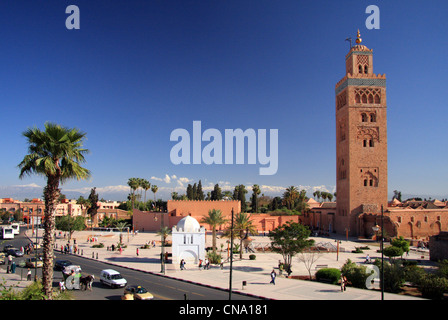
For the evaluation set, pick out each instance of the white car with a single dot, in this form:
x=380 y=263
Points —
x=112 y=278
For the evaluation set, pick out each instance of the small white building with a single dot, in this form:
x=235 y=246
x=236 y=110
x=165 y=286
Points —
x=188 y=241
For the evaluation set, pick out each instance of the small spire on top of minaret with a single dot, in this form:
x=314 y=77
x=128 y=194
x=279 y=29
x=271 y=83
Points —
x=358 y=40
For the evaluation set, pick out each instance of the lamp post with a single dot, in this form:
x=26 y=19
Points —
x=162 y=254
x=231 y=258
x=337 y=250
x=382 y=253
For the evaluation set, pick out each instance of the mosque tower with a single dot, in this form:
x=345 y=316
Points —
x=361 y=141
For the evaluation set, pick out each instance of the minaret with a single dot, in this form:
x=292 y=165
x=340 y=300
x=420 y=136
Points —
x=361 y=141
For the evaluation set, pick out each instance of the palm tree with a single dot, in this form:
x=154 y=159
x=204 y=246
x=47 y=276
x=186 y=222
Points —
x=133 y=183
x=214 y=219
x=242 y=223
x=154 y=189
x=146 y=186
x=56 y=154
x=290 y=196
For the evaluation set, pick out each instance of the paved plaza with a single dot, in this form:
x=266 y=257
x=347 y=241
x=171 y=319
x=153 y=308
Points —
x=255 y=274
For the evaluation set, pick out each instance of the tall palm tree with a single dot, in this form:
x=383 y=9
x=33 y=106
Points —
x=145 y=185
x=214 y=219
x=56 y=154
x=243 y=224
x=133 y=183
x=154 y=189
x=290 y=196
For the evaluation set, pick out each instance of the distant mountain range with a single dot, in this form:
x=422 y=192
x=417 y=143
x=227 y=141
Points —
x=120 y=193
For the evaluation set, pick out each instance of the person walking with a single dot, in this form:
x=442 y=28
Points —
x=28 y=275
x=273 y=275
x=182 y=264
x=343 y=283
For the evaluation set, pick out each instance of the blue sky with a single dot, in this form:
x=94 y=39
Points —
x=137 y=70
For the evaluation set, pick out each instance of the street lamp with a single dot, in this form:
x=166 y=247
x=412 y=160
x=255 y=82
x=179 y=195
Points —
x=162 y=254
x=231 y=258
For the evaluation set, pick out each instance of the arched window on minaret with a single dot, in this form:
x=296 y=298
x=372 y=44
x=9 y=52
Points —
x=366 y=69
x=364 y=117
x=360 y=68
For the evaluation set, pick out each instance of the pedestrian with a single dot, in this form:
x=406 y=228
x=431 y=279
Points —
x=137 y=252
x=273 y=275
x=343 y=283
x=205 y=263
x=182 y=264
x=28 y=275
x=280 y=267
x=200 y=264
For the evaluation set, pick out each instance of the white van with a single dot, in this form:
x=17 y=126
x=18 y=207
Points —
x=112 y=278
x=15 y=227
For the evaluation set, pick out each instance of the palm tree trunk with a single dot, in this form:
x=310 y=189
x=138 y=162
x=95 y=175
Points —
x=51 y=194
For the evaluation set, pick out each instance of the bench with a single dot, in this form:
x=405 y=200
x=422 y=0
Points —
x=321 y=266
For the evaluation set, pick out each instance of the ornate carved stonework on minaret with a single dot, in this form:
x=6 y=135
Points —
x=361 y=140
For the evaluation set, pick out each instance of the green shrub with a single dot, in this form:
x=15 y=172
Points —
x=356 y=275
x=433 y=287
x=214 y=257
x=99 y=245
x=328 y=274
x=357 y=250
x=252 y=257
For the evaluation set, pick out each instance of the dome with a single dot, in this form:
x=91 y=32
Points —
x=188 y=224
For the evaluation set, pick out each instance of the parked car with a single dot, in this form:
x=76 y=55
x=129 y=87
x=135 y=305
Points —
x=112 y=278
x=138 y=293
x=7 y=247
x=59 y=265
x=31 y=262
x=14 y=252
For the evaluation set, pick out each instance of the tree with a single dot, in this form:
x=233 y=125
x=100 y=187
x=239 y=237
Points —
x=154 y=189
x=70 y=224
x=145 y=185
x=290 y=196
x=57 y=154
x=400 y=242
x=393 y=251
x=133 y=183
x=242 y=226
x=255 y=192
x=214 y=219
x=93 y=201
x=239 y=193
x=309 y=257
x=190 y=192
x=216 y=193
x=199 y=192
x=290 y=239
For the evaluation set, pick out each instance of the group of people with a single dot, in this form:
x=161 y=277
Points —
x=204 y=264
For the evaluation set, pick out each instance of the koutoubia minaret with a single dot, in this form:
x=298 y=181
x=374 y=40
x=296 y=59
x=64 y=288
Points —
x=361 y=141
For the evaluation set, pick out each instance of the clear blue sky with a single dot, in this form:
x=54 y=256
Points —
x=137 y=70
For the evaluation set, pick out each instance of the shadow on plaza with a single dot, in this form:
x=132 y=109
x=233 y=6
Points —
x=134 y=259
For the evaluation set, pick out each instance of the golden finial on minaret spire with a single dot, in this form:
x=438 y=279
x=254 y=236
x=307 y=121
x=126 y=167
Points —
x=358 y=40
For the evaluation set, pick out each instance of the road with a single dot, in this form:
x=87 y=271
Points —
x=162 y=288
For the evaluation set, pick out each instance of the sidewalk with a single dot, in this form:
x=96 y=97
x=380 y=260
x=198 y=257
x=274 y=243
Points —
x=255 y=273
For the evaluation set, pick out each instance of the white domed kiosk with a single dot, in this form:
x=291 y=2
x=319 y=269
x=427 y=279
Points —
x=188 y=241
